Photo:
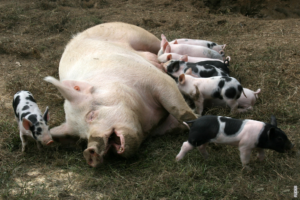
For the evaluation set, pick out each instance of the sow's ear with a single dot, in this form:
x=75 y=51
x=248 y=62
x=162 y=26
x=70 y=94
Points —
x=73 y=91
x=273 y=121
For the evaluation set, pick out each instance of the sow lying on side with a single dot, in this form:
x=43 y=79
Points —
x=109 y=79
x=246 y=134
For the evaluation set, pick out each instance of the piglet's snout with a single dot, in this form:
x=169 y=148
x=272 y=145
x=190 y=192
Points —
x=289 y=146
x=50 y=142
x=47 y=140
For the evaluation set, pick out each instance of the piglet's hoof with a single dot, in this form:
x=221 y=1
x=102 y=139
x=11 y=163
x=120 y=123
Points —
x=247 y=168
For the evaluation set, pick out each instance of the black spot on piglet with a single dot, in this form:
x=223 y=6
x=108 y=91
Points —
x=39 y=131
x=208 y=73
x=240 y=88
x=227 y=79
x=232 y=126
x=193 y=66
x=230 y=93
x=217 y=94
x=16 y=102
x=25 y=107
x=173 y=67
x=30 y=98
x=33 y=118
x=24 y=115
x=221 y=84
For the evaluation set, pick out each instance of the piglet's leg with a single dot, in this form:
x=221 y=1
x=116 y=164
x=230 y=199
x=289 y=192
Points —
x=203 y=151
x=186 y=147
x=24 y=141
x=245 y=154
x=261 y=154
x=233 y=104
x=39 y=146
x=241 y=110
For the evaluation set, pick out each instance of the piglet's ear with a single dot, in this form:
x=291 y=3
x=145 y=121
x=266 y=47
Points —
x=184 y=58
x=273 y=121
x=181 y=79
x=167 y=48
x=26 y=123
x=164 y=42
x=188 y=71
x=175 y=42
x=46 y=115
x=73 y=91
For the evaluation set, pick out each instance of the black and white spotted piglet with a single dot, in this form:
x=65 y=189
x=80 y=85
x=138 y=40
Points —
x=246 y=134
x=30 y=120
x=202 y=69
x=200 y=89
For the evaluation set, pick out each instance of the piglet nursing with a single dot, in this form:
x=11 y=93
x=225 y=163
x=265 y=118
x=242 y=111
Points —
x=202 y=69
x=204 y=43
x=218 y=87
x=190 y=50
x=244 y=104
x=32 y=123
x=246 y=134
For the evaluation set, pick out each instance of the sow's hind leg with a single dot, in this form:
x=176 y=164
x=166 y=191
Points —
x=129 y=35
x=172 y=100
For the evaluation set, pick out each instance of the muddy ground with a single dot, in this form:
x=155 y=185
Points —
x=263 y=39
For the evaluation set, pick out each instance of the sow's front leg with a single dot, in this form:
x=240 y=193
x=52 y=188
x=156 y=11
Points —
x=63 y=134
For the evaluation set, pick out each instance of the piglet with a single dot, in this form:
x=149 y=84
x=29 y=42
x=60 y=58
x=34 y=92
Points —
x=200 y=69
x=243 y=102
x=199 y=89
x=167 y=56
x=190 y=50
x=32 y=123
x=203 y=43
x=246 y=134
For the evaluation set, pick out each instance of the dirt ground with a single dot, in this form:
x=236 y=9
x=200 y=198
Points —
x=262 y=38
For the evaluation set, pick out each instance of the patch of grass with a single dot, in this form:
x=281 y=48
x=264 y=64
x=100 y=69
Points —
x=264 y=55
